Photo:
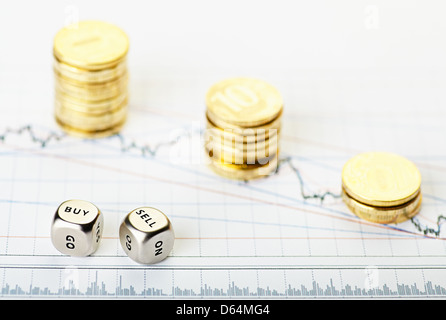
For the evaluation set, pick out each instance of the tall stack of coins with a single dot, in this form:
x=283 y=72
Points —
x=91 y=78
x=382 y=187
x=243 y=125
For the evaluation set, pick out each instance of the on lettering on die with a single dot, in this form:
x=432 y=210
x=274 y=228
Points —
x=77 y=228
x=146 y=235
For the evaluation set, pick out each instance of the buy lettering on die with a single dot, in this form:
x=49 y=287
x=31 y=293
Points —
x=77 y=228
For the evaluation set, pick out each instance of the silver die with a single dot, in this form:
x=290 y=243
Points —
x=146 y=235
x=77 y=228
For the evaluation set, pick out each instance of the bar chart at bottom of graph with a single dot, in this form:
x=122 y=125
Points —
x=216 y=282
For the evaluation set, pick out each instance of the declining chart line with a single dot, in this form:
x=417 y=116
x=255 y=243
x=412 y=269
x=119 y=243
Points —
x=321 y=196
x=148 y=150
x=428 y=230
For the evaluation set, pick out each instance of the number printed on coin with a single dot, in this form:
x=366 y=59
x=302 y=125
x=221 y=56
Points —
x=244 y=101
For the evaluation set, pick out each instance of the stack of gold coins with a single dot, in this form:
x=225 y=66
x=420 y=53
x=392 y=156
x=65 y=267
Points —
x=381 y=187
x=243 y=125
x=91 y=78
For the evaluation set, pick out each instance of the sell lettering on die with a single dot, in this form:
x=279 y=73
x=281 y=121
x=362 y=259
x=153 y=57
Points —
x=146 y=235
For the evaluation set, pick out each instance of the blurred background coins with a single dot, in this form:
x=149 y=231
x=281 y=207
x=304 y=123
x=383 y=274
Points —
x=382 y=187
x=243 y=128
x=146 y=235
x=91 y=79
x=77 y=228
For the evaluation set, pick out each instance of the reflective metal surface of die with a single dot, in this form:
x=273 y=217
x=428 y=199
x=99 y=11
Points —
x=146 y=235
x=77 y=228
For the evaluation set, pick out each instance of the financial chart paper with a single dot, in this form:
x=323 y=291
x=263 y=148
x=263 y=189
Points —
x=288 y=235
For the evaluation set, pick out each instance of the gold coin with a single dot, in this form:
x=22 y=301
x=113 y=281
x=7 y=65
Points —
x=91 y=45
x=244 y=171
x=219 y=143
x=243 y=138
x=82 y=116
x=71 y=73
x=381 y=179
x=243 y=102
x=103 y=126
x=91 y=134
x=92 y=92
x=263 y=146
x=88 y=122
x=276 y=123
x=89 y=107
x=234 y=156
x=385 y=215
x=241 y=135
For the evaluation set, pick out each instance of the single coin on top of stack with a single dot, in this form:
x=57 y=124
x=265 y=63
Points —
x=243 y=128
x=91 y=78
x=382 y=187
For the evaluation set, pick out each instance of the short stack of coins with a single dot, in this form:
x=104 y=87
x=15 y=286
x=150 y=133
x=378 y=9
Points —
x=382 y=187
x=243 y=128
x=91 y=78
